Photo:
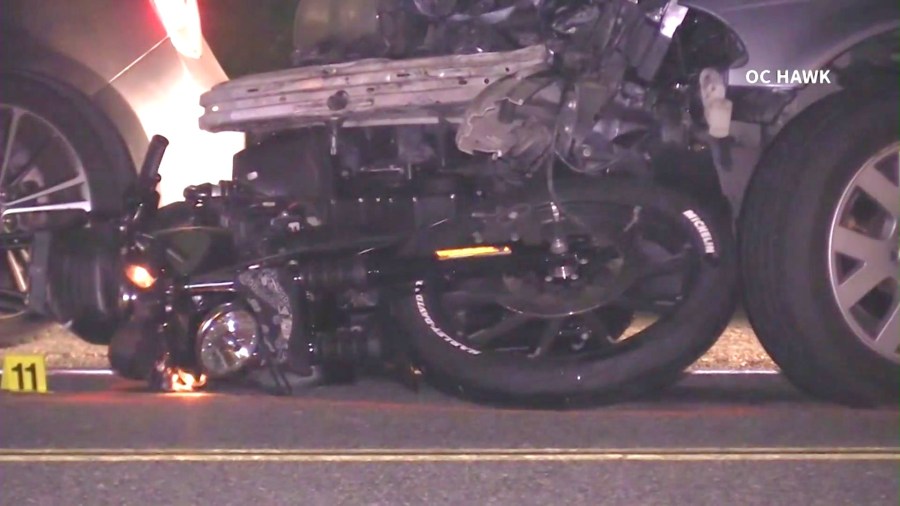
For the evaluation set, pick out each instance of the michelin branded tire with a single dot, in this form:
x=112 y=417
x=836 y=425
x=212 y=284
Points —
x=609 y=365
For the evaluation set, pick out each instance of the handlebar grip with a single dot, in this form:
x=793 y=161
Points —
x=152 y=160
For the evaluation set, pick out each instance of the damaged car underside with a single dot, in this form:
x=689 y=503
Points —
x=521 y=200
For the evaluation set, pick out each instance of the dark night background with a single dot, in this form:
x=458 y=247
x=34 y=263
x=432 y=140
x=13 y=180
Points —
x=249 y=37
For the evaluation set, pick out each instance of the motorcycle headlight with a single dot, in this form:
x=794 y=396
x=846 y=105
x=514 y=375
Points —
x=227 y=340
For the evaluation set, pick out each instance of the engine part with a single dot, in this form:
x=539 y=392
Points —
x=498 y=122
x=288 y=172
x=365 y=92
x=716 y=108
x=267 y=295
x=351 y=348
x=227 y=340
x=337 y=30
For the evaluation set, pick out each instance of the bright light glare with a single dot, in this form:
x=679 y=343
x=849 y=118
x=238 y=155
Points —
x=194 y=156
x=183 y=381
x=181 y=19
x=140 y=276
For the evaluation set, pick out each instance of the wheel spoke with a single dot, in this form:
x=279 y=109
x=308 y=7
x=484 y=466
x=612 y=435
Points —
x=595 y=325
x=860 y=283
x=896 y=166
x=881 y=189
x=890 y=165
x=548 y=337
x=657 y=307
x=466 y=298
x=81 y=205
x=888 y=339
x=856 y=245
x=75 y=181
x=14 y=121
x=29 y=166
x=672 y=265
x=506 y=325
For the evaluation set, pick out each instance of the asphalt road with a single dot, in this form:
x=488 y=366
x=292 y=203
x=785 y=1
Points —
x=711 y=440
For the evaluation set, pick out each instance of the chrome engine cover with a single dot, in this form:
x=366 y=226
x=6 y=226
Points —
x=369 y=92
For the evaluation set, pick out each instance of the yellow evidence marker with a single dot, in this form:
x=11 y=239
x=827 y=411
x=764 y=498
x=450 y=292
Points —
x=24 y=373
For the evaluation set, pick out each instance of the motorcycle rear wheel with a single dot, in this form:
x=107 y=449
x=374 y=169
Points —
x=539 y=358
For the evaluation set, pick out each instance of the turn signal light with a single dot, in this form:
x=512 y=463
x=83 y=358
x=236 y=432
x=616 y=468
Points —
x=140 y=276
x=472 y=251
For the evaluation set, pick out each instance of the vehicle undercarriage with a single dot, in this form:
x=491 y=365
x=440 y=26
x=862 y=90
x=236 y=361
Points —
x=504 y=209
x=520 y=201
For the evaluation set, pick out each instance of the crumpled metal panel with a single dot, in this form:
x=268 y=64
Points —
x=364 y=92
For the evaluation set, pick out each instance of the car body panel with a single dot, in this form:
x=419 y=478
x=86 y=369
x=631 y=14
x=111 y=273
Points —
x=118 y=54
x=798 y=34
x=89 y=34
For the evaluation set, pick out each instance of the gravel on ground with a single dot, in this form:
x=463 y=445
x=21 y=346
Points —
x=737 y=349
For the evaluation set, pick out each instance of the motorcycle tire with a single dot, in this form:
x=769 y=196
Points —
x=665 y=349
x=787 y=255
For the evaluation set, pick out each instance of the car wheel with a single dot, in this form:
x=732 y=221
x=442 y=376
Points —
x=819 y=245
x=13 y=289
x=17 y=325
x=58 y=155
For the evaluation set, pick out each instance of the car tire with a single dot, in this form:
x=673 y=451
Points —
x=97 y=147
x=786 y=242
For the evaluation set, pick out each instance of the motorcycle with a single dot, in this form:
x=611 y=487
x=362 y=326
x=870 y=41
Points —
x=523 y=202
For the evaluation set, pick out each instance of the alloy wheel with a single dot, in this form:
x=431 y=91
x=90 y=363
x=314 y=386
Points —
x=594 y=300
x=863 y=253
x=41 y=174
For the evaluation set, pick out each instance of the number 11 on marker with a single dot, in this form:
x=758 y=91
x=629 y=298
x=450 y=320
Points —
x=24 y=373
x=20 y=371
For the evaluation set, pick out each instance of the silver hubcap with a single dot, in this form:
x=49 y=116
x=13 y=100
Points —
x=863 y=260
x=40 y=174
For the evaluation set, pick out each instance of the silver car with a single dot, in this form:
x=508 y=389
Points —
x=83 y=85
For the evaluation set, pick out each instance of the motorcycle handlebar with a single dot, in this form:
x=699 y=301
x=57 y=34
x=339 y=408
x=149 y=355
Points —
x=149 y=174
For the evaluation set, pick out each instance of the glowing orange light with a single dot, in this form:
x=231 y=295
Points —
x=472 y=251
x=181 y=18
x=140 y=276
x=183 y=381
